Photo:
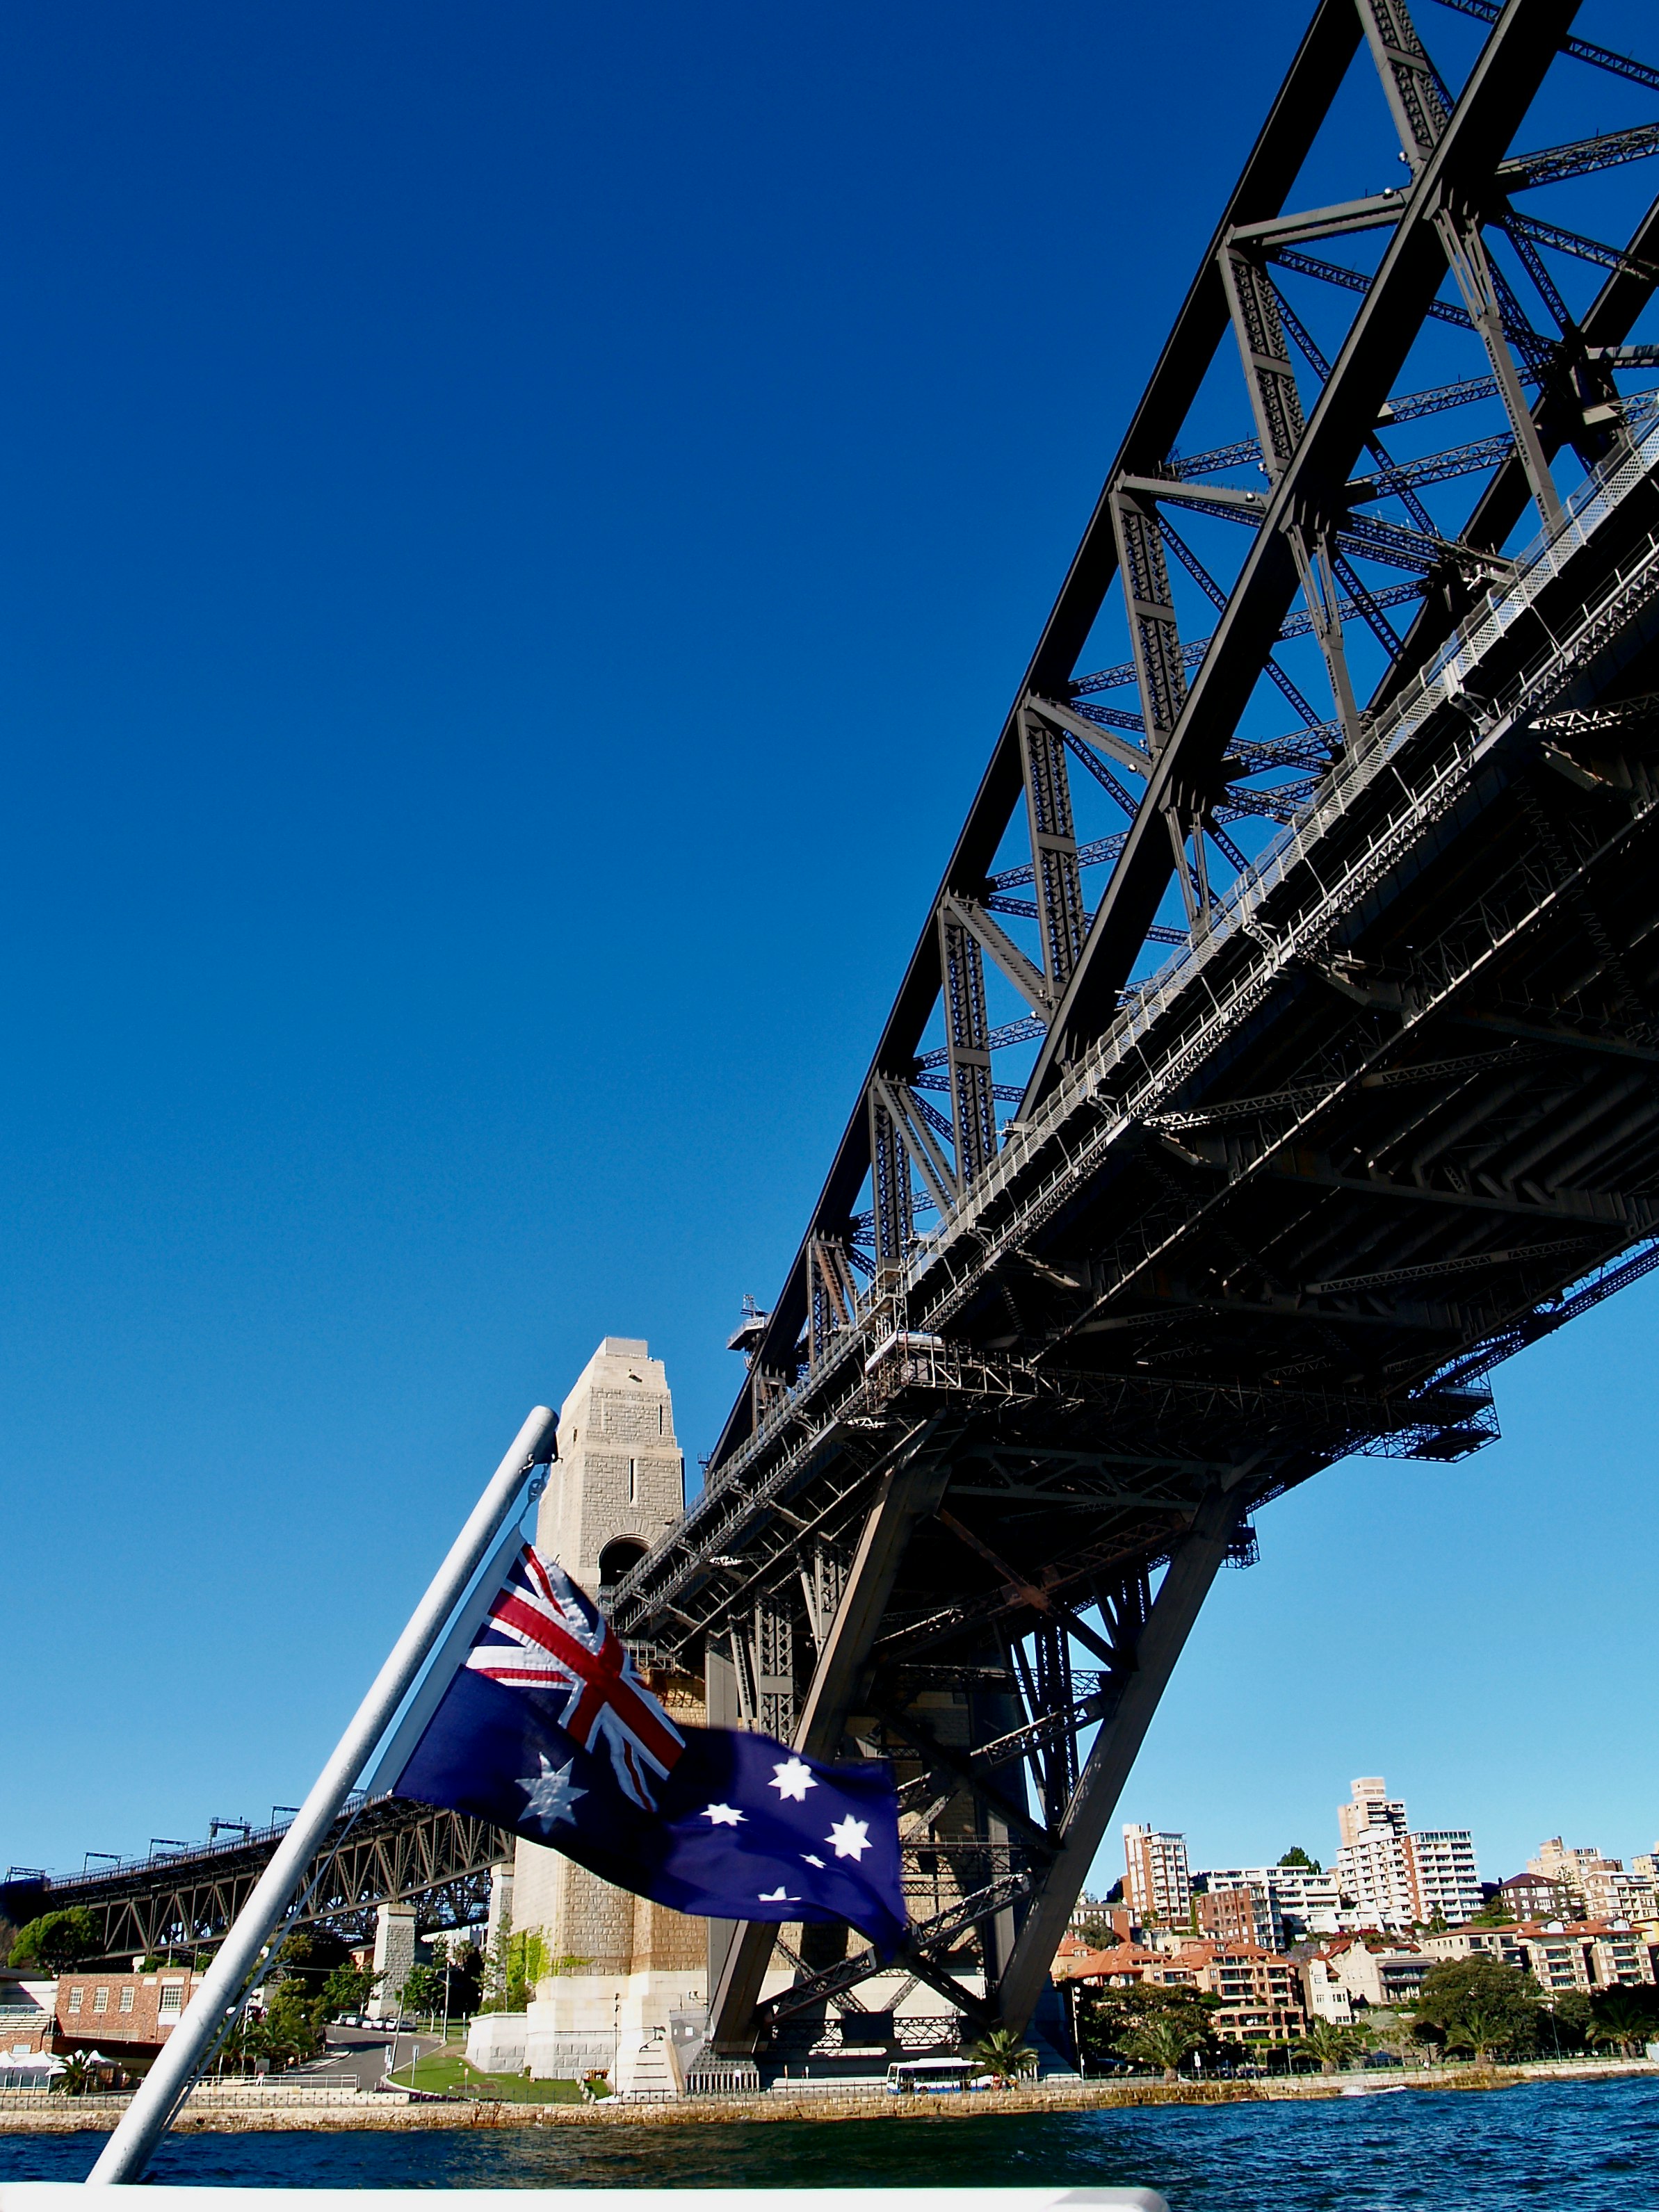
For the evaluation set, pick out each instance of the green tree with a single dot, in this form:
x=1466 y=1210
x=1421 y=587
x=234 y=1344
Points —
x=57 y=1942
x=498 y=1968
x=1565 y=2025
x=1625 y=2019
x=423 y=1990
x=76 y=2077
x=1162 y=2039
x=1333 y=2043
x=346 y=1989
x=292 y=2029
x=464 y=1967
x=1100 y=1933
x=1480 y=2005
x=1105 y=2016
x=1296 y=1857
x=1394 y=2033
x=1000 y=2052
x=313 y=1954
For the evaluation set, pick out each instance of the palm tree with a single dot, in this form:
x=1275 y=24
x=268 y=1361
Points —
x=1333 y=2043
x=1001 y=2053
x=1479 y=2029
x=1162 y=2041
x=77 y=2076
x=1622 y=2019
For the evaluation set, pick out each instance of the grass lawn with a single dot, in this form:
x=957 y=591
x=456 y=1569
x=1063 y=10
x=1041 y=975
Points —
x=446 y=2071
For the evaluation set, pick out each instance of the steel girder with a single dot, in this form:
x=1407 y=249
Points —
x=380 y=1852
x=1391 y=1110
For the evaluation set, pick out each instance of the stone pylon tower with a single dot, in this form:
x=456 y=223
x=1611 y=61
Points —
x=619 y=1481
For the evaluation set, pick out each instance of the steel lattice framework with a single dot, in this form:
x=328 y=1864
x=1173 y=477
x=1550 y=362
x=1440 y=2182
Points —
x=1341 y=1089
x=379 y=1852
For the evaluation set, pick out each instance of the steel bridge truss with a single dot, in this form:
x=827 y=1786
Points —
x=1344 y=1087
x=382 y=1851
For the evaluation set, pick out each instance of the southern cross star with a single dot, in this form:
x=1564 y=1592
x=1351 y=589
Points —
x=723 y=1816
x=851 y=1838
x=812 y=1859
x=778 y=1896
x=792 y=1777
x=551 y=1793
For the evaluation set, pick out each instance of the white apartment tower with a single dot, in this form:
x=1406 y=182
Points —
x=1444 y=1875
x=1394 y=1878
x=1157 y=1885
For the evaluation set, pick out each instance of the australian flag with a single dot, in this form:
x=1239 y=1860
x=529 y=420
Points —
x=550 y=1730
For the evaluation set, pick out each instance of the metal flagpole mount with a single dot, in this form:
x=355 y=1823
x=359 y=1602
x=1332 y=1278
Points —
x=127 y=2153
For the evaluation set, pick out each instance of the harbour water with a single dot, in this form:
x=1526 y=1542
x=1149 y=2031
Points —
x=1592 y=2146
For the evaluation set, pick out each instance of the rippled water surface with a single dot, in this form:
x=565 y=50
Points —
x=1592 y=2147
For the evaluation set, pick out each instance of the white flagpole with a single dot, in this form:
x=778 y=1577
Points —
x=127 y=2153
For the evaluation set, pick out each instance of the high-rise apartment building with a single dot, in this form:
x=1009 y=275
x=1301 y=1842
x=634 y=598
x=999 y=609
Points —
x=1444 y=1875
x=1398 y=1878
x=1370 y=1806
x=1157 y=1885
x=1290 y=1902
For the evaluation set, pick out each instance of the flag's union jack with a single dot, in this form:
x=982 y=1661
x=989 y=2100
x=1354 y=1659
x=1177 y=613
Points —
x=544 y=1633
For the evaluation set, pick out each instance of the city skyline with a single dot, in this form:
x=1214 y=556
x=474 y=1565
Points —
x=1636 y=1861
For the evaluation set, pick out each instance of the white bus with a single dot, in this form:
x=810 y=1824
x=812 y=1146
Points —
x=946 y=2077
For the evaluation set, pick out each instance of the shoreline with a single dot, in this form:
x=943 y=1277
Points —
x=346 y=2116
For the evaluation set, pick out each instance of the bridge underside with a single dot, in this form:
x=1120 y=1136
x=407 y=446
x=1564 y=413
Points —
x=1389 y=1114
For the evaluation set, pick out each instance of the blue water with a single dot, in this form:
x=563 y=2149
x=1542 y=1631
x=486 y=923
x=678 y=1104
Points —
x=1589 y=2147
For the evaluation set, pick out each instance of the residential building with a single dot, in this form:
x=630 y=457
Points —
x=1291 y=1902
x=1327 y=1996
x=1158 y=1886
x=1560 y=1956
x=1394 y=1879
x=1092 y=1911
x=1260 y=1989
x=1592 y=1888
x=25 y=2016
x=1380 y=1974
x=1530 y=1897
x=1125 y=1965
x=1569 y=1869
x=1370 y=1806
x=99 y=2007
x=1374 y=1873
x=1308 y=1903
x=1240 y=1914
x=1444 y=1876
x=1611 y=1894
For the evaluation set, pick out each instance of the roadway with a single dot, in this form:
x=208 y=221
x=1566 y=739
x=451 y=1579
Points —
x=367 y=2053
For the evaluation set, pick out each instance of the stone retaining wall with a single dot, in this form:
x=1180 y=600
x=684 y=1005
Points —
x=58 y=2115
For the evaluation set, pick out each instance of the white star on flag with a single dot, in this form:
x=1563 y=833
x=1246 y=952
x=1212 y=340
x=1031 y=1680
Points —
x=551 y=1793
x=778 y=1896
x=792 y=1777
x=851 y=1838
x=811 y=1861
x=723 y=1816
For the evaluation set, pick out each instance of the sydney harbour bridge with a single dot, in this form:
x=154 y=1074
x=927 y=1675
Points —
x=1281 y=1051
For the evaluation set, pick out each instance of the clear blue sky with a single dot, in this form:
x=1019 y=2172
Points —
x=518 y=525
